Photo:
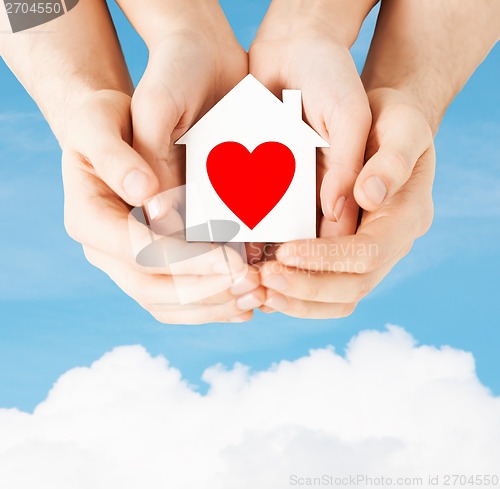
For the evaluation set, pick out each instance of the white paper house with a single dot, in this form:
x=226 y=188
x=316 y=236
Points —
x=251 y=115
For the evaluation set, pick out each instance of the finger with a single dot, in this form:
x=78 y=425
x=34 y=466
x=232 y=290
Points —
x=335 y=105
x=304 y=309
x=96 y=217
x=381 y=235
x=372 y=247
x=160 y=291
x=347 y=118
x=346 y=225
x=362 y=253
x=155 y=114
x=403 y=136
x=242 y=318
x=266 y=309
x=348 y=128
x=202 y=314
x=269 y=251
x=99 y=137
x=326 y=287
x=254 y=252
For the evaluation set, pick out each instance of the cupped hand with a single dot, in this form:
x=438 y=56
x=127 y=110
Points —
x=192 y=65
x=327 y=277
x=104 y=177
x=299 y=50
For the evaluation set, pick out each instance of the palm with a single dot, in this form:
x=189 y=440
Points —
x=335 y=105
x=184 y=79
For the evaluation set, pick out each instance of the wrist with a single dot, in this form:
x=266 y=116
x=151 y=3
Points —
x=334 y=19
x=61 y=116
x=430 y=96
x=155 y=20
x=63 y=67
x=106 y=101
x=430 y=60
x=59 y=90
x=403 y=96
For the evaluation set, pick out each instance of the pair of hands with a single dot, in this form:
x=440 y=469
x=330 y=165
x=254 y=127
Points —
x=108 y=167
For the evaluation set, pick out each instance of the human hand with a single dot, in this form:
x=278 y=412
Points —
x=327 y=277
x=194 y=60
x=102 y=176
x=304 y=46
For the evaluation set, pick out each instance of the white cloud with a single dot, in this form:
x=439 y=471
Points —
x=388 y=407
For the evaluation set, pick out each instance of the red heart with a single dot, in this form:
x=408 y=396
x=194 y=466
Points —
x=251 y=184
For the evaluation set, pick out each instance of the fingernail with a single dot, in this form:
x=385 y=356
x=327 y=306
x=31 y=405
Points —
x=136 y=185
x=243 y=285
x=277 y=302
x=275 y=282
x=248 y=302
x=153 y=207
x=339 y=208
x=375 y=189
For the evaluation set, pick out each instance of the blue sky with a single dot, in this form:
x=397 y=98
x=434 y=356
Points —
x=57 y=312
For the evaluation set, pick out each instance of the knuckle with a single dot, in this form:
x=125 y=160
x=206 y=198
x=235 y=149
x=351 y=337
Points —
x=365 y=287
x=372 y=262
x=107 y=157
x=347 y=310
x=219 y=298
x=313 y=290
x=301 y=309
x=142 y=297
x=365 y=114
x=171 y=316
x=399 y=166
x=89 y=255
x=162 y=317
x=406 y=249
x=222 y=313
x=426 y=218
x=72 y=227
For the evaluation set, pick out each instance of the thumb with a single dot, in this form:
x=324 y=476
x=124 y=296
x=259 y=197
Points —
x=100 y=135
x=348 y=130
x=124 y=171
x=403 y=139
x=155 y=116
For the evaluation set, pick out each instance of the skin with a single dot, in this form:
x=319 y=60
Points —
x=327 y=277
x=89 y=110
x=410 y=84
x=108 y=168
x=334 y=100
